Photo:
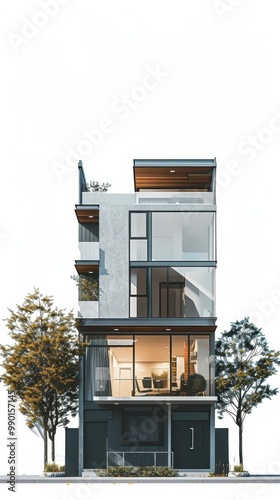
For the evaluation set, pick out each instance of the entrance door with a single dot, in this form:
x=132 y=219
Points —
x=191 y=444
x=95 y=440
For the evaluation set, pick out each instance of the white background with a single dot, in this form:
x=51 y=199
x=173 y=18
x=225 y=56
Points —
x=67 y=72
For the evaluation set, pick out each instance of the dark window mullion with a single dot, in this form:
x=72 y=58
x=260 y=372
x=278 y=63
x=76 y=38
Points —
x=167 y=292
x=133 y=366
x=170 y=364
x=189 y=357
x=149 y=292
x=149 y=236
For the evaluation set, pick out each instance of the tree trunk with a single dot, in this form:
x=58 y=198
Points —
x=53 y=448
x=240 y=429
x=45 y=448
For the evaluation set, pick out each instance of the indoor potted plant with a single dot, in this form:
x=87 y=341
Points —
x=197 y=384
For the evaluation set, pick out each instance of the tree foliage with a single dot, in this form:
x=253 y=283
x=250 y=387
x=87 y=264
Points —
x=244 y=362
x=88 y=286
x=96 y=186
x=42 y=363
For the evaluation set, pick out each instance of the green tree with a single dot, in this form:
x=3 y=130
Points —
x=244 y=362
x=42 y=364
x=95 y=186
x=88 y=286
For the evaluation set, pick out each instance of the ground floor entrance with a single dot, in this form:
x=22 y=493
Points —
x=148 y=435
x=190 y=440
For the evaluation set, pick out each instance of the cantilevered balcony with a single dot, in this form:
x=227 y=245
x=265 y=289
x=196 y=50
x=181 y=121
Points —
x=88 y=217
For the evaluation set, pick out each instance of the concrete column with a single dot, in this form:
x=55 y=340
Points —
x=169 y=433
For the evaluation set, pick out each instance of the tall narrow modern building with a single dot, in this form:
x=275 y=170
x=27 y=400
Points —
x=146 y=277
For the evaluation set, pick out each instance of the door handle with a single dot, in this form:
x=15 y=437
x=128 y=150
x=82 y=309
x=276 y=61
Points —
x=192 y=438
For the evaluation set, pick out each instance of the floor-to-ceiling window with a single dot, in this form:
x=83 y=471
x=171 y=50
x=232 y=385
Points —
x=158 y=288
x=172 y=292
x=182 y=292
x=108 y=366
x=147 y=365
x=183 y=236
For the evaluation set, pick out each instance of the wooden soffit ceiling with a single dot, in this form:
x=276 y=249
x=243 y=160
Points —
x=173 y=177
x=87 y=215
x=86 y=268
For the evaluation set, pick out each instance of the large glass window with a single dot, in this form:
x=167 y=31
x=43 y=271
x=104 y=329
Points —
x=182 y=292
x=108 y=366
x=184 y=236
x=173 y=236
x=147 y=365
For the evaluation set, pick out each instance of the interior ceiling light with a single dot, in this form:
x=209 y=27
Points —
x=116 y=329
x=172 y=171
x=90 y=216
x=168 y=329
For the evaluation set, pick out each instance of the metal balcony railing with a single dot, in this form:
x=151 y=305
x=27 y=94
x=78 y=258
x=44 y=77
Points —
x=139 y=459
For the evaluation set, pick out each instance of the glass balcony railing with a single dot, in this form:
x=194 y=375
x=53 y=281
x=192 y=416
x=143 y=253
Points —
x=189 y=197
x=116 y=387
x=88 y=308
x=89 y=250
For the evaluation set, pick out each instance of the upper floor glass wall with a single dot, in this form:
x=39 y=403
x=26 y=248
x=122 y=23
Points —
x=185 y=236
x=172 y=292
x=183 y=292
x=172 y=236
